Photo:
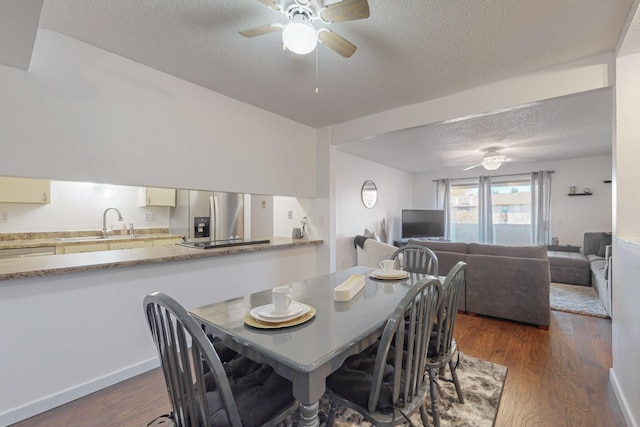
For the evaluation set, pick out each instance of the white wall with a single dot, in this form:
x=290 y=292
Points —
x=261 y=216
x=79 y=206
x=625 y=374
x=298 y=207
x=352 y=217
x=571 y=216
x=84 y=114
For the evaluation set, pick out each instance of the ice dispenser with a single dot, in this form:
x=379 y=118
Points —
x=201 y=226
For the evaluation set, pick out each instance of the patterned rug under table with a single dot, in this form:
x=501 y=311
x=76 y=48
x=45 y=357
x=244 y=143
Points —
x=481 y=382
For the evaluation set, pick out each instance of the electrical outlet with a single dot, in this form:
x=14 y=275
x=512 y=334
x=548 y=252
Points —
x=147 y=216
x=321 y=219
x=290 y=214
x=264 y=204
x=5 y=216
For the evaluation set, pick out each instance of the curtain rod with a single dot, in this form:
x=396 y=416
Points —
x=493 y=176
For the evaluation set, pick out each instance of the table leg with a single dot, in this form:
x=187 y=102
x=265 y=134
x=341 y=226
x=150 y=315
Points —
x=309 y=415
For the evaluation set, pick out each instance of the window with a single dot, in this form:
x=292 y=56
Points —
x=463 y=218
x=510 y=210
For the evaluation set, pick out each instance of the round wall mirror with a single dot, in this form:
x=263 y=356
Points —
x=369 y=194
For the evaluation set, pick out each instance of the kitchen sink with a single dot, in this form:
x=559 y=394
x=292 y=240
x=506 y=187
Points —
x=79 y=239
x=92 y=238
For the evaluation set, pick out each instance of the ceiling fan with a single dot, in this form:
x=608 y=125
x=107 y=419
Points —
x=300 y=36
x=491 y=161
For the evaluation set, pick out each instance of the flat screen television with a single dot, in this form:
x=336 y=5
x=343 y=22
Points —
x=422 y=223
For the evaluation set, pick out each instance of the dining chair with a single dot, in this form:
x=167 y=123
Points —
x=386 y=383
x=416 y=259
x=203 y=391
x=443 y=346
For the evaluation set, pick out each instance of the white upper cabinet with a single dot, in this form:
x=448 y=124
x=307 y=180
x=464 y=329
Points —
x=24 y=190
x=152 y=196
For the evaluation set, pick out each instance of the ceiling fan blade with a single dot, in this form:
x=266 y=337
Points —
x=346 y=10
x=258 y=31
x=271 y=4
x=471 y=167
x=338 y=43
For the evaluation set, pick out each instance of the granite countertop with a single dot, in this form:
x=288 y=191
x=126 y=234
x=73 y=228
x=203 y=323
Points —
x=45 y=265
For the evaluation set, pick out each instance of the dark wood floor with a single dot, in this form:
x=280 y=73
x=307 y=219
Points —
x=555 y=378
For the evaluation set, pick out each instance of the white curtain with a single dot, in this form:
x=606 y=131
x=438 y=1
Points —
x=485 y=208
x=442 y=202
x=541 y=208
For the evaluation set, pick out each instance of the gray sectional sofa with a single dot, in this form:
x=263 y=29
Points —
x=509 y=282
x=588 y=266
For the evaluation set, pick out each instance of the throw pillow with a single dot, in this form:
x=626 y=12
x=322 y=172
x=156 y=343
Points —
x=370 y=234
x=605 y=240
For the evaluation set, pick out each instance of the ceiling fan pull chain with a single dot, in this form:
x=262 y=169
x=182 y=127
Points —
x=317 y=85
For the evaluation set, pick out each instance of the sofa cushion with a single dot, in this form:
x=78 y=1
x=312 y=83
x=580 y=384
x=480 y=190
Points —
x=569 y=267
x=568 y=259
x=441 y=246
x=605 y=241
x=591 y=242
x=539 y=252
x=598 y=266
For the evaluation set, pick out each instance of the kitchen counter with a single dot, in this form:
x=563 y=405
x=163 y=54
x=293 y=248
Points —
x=45 y=265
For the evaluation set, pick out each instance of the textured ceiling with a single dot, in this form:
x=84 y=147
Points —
x=409 y=51
x=535 y=132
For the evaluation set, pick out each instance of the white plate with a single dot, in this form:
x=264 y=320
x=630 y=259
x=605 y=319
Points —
x=266 y=313
x=389 y=275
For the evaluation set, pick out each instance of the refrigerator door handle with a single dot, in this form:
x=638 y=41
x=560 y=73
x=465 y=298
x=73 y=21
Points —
x=213 y=210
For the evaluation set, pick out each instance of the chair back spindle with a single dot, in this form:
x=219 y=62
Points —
x=416 y=259
x=184 y=351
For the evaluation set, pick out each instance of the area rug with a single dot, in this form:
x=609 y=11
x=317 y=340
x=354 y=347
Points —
x=481 y=384
x=576 y=299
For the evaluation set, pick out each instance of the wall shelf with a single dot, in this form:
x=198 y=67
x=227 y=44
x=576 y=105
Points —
x=580 y=194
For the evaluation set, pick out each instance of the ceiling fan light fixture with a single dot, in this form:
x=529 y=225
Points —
x=491 y=165
x=493 y=162
x=299 y=38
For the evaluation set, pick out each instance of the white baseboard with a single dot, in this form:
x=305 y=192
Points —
x=65 y=396
x=624 y=405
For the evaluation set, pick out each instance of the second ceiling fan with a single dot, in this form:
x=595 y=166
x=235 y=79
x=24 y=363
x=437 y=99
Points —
x=491 y=161
x=299 y=34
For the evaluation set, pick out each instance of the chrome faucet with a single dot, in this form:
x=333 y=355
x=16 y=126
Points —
x=104 y=221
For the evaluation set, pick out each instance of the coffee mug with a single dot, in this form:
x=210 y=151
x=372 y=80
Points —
x=387 y=264
x=281 y=297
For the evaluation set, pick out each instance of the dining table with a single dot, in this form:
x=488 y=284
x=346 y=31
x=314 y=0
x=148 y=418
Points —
x=308 y=351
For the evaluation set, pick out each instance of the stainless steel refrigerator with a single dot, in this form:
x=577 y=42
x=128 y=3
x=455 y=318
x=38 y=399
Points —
x=207 y=215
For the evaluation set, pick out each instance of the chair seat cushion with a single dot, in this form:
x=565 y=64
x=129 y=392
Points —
x=258 y=391
x=354 y=380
